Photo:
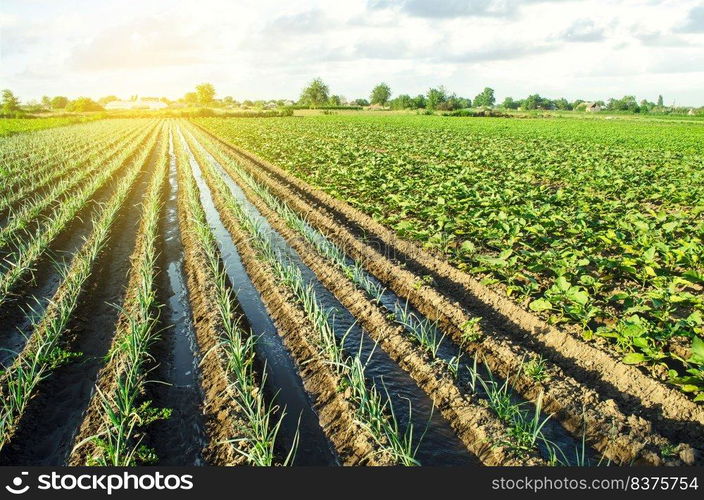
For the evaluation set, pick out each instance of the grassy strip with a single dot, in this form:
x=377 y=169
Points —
x=116 y=441
x=21 y=261
x=43 y=352
x=373 y=413
x=236 y=348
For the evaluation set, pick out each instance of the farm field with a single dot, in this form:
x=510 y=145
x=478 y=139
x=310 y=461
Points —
x=457 y=292
x=10 y=126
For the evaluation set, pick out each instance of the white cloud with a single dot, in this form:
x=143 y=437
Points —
x=267 y=48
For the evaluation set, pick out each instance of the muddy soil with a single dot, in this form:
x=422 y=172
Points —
x=46 y=431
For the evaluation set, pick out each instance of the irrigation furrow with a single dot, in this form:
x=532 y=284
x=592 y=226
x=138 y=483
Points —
x=241 y=425
x=31 y=294
x=620 y=434
x=392 y=378
x=353 y=443
x=19 y=264
x=44 y=353
x=113 y=428
x=282 y=379
x=180 y=439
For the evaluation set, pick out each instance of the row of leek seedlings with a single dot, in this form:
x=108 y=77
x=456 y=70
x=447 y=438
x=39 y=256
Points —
x=20 y=262
x=523 y=425
x=30 y=152
x=28 y=170
x=118 y=442
x=236 y=347
x=21 y=219
x=373 y=412
x=43 y=353
x=40 y=178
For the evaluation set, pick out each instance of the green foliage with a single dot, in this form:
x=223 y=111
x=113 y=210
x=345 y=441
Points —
x=509 y=103
x=380 y=94
x=59 y=102
x=593 y=223
x=436 y=97
x=205 y=93
x=626 y=103
x=485 y=98
x=83 y=104
x=10 y=103
x=10 y=126
x=315 y=94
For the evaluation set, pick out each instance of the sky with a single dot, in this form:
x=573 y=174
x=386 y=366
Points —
x=262 y=49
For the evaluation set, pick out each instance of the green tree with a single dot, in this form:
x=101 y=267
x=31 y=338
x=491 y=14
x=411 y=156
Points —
x=535 y=101
x=191 y=98
x=436 y=97
x=563 y=104
x=646 y=106
x=83 y=104
x=334 y=100
x=509 y=103
x=380 y=94
x=361 y=102
x=626 y=103
x=660 y=101
x=46 y=101
x=315 y=94
x=404 y=101
x=10 y=103
x=485 y=98
x=205 y=93
x=419 y=101
x=59 y=102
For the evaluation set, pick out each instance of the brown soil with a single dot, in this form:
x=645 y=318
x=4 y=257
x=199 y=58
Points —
x=46 y=430
x=220 y=409
x=622 y=410
x=94 y=418
x=45 y=277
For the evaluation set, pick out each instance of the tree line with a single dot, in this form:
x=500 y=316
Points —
x=316 y=94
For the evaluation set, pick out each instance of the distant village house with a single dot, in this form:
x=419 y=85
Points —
x=591 y=107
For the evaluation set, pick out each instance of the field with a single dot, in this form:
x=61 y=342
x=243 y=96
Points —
x=352 y=290
x=9 y=126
